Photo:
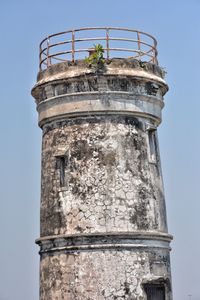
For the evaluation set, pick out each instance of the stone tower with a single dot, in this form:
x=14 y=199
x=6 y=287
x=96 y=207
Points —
x=103 y=218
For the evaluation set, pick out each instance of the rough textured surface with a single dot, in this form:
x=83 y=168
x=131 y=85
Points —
x=109 y=183
x=120 y=63
x=103 y=219
x=102 y=275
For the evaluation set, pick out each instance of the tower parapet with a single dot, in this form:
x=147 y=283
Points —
x=103 y=218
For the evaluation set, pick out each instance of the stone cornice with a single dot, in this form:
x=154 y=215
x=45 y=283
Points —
x=104 y=241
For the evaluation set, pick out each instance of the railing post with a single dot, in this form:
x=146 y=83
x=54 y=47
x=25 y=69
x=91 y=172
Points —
x=155 y=61
x=139 y=44
x=107 y=42
x=48 y=61
x=73 y=46
x=40 y=58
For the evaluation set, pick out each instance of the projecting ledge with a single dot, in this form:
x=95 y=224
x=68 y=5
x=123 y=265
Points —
x=133 y=68
x=98 y=103
x=105 y=241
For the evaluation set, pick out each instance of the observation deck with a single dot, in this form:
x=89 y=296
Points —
x=75 y=44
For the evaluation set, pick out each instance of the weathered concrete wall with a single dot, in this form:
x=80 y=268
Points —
x=106 y=274
x=110 y=185
x=103 y=218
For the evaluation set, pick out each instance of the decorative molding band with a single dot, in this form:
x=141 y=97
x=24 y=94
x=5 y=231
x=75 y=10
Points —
x=99 y=103
x=99 y=95
x=107 y=241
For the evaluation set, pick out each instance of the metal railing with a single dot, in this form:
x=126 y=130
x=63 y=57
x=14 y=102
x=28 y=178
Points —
x=65 y=46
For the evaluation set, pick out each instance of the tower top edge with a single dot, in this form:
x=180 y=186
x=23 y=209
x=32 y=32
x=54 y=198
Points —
x=114 y=66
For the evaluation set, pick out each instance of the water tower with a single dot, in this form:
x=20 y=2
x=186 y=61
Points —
x=103 y=217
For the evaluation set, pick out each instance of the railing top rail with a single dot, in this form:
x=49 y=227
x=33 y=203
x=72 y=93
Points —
x=145 y=45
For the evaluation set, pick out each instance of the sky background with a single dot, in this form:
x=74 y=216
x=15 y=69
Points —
x=23 y=24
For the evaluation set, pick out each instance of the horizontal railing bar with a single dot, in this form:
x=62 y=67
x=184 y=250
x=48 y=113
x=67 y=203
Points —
x=62 y=59
x=43 y=51
x=94 y=39
x=102 y=39
x=62 y=52
x=43 y=61
x=90 y=39
x=78 y=40
x=87 y=50
x=112 y=49
x=108 y=28
x=99 y=28
x=130 y=40
x=60 y=43
x=140 y=54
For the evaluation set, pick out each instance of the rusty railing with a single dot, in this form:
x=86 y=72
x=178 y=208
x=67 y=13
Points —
x=65 y=46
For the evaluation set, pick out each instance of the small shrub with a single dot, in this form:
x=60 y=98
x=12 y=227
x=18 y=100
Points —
x=96 y=56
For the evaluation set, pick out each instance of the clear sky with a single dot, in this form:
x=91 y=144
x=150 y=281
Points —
x=23 y=24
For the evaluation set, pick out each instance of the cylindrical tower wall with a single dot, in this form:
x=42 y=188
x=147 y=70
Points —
x=103 y=217
x=98 y=176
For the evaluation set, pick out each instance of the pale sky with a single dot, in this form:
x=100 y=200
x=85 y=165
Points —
x=24 y=23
